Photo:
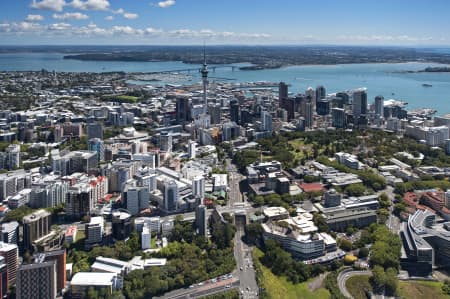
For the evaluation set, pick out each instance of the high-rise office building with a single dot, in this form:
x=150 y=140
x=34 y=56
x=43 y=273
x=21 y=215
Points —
x=9 y=232
x=282 y=93
x=94 y=130
x=201 y=220
x=379 y=104
x=266 y=121
x=234 y=111
x=11 y=254
x=323 y=107
x=198 y=187
x=136 y=199
x=215 y=111
x=338 y=118
x=97 y=145
x=35 y=226
x=359 y=103
x=321 y=93
x=146 y=237
x=183 y=110
x=121 y=225
x=170 y=196
x=165 y=142
x=37 y=281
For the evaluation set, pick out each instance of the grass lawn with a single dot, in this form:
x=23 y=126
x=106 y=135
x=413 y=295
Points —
x=421 y=290
x=357 y=285
x=279 y=287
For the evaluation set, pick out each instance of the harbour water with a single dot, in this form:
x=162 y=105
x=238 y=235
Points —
x=387 y=79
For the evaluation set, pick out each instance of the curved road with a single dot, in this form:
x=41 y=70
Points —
x=345 y=275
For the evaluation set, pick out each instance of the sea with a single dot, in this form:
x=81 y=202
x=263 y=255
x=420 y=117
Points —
x=390 y=80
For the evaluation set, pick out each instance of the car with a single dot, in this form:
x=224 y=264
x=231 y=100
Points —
x=191 y=286
x=248 y=288
x=200 y=283
x=228 y=286
x=241 y=268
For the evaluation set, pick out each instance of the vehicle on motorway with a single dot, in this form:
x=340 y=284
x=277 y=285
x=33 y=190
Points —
x=241 y=268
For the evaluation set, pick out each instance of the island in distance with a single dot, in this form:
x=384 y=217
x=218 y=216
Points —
x=261 y=57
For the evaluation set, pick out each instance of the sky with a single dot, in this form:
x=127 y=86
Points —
x=173 y=22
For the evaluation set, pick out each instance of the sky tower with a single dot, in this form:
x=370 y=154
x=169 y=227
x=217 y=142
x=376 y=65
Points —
x=204 y=72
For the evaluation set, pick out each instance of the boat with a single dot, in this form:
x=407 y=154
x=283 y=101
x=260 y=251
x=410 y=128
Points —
x=427 y=85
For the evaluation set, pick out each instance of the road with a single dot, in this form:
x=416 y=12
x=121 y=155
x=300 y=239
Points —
x=234 y=195
x=344 y=276
x=202 y=289
x=393 y=223
x=245 y=268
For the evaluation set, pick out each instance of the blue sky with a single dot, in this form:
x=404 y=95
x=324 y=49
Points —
x=146 y=22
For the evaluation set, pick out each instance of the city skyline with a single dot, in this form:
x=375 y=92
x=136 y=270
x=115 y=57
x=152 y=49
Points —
x=350 y=22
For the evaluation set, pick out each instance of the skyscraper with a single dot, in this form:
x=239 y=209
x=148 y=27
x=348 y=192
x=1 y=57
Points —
x=35 y=226
x=201 y=220
x=165 y=142
x=170 y=196
x=234 y=111
x=338 y=118
x=359 y=103
x=198 y=187
x=136 y=198
x=266 y=121
x=121 y=225
x=183 y=110
x=320 y=93
x=94 y=130
x=97 y=145
x=37 y=280
x=11 y=254
x=379 y=104
x=282 y=93
x=59 y=256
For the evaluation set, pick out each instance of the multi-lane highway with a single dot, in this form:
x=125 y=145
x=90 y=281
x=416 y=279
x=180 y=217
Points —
x=205 y=288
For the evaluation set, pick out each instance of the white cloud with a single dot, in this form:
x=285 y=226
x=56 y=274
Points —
x=57 y=30
x=59 y=26
x=383 y=38
x=90 y=4
x=55 y=5
x=109 y=18
x=119 y=11
x=130 y=16
x=71 y=16
x=34 y=18
x=166 y=3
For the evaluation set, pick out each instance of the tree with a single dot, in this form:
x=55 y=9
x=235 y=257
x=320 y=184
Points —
x=363 y=252
x=345 y=244
x=378 y=276
x=253 y=232
x=391 y=281
x=355 y=190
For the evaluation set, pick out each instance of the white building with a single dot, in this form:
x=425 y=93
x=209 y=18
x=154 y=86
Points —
x=146 y=237
x=94 y=230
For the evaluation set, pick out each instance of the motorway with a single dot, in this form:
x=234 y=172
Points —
x=242 y=252
x=246 y=270
x=344 y=276
x=202 y=289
